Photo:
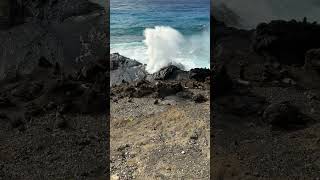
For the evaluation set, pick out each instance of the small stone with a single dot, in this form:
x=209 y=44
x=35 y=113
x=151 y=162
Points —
x=199 y=98
x=115 y=177
x=183 y=152
x=156 y=101
x=194 y=136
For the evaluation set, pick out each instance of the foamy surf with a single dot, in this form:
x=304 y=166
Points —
x=164 y=45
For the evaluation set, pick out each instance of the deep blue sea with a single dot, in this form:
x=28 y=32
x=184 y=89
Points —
x=161 y=32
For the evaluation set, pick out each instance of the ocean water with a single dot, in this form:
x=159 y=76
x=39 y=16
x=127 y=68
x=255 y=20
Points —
x=161 y=32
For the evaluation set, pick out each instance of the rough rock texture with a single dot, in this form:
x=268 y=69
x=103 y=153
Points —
x=159 y=122
x=287 y=41
x=125 y=70
x=312 y=60
x=266 y=124
x=53 y=98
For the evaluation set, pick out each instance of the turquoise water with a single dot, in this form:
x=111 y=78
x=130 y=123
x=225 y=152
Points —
x=160 y=32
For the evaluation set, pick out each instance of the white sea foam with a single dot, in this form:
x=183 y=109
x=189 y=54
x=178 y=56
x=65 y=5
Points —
x=163 y=45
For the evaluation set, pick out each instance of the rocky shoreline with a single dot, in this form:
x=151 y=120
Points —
x=53 y=97
x=265 y=108
x=159 y=122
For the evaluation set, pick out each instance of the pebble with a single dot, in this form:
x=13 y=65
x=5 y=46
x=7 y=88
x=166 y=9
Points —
x=115 y=177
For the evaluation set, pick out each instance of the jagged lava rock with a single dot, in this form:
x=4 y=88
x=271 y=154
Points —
x=287 y=41
x=125 y=70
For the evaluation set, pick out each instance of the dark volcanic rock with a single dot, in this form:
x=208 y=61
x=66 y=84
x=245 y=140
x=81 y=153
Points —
x=58 y=10
x=169 y=73
x=54 y=61
x=283 y=115
x=222 y=82
x=199 y=98
x=287 y=41
x=241 y=105
x=312 y=60
x=224 y=14
x=125 y=70
x=199 y=74
x=168 y=88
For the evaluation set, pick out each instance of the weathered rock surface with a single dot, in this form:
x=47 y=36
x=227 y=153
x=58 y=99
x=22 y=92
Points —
x=287 y=41
x=257 y=133
x=123 y=69
x=53 y=96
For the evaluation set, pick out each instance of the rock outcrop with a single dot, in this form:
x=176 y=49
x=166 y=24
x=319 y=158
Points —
x=287 y=41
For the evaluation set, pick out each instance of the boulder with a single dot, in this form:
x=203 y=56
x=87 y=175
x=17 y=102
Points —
x=164 y=89
x=199 y=98
x=125 y=70
x=170 y=72
x=312 y=60
x=283 y=115
x=199 y=74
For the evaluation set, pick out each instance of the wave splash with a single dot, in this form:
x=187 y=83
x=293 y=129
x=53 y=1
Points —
x=166 y=46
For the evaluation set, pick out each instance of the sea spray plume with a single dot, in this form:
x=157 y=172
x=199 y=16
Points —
x=166 y=46
x=163 y=46
x=198 y=46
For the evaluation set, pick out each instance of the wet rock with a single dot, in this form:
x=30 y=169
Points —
x=170 y=72
x=283 y=115
x=125 y=69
